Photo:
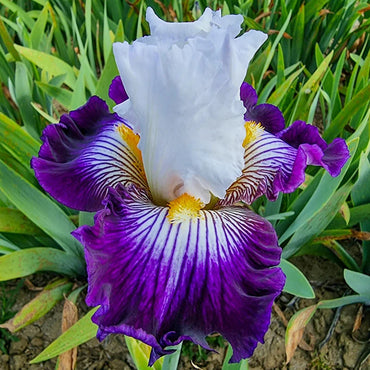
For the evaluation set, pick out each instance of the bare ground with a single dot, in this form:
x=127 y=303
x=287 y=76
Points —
x=341 y=351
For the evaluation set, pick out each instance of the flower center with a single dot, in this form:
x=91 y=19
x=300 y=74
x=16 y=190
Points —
x=184 y=208
x=252 y=132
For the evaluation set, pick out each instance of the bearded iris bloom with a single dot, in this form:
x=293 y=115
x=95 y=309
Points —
x=174 y=253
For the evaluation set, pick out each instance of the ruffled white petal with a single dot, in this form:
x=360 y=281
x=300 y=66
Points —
x=180 y=32
x=183 y=85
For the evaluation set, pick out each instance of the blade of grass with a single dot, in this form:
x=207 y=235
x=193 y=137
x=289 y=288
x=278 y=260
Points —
x=49 y=63
x=79 y=333
x=17 y=141
x=315 y=224
x=278 y=95
x=49 y=118
x=298 y=34
x=40 y=209
x=8 y=41
x=296 y=283
x=15 y=8
x=63 y=96
x=338 y=123
x=38 y=31
x=110 y=70
x=14 y=221
x=90 y=49
x=23 y=95
x=308 y=90
x=324 y=191
x=39 y=306
x=25 y=262
x=272 y=52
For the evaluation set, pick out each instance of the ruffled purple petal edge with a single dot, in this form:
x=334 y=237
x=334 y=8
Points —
x=306 y=138
x=76 y=153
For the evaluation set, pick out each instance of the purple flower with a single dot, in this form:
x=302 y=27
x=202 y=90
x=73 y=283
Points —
x=170 y=256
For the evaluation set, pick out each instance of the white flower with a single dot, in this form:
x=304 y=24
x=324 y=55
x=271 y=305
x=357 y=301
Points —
x=183 y=83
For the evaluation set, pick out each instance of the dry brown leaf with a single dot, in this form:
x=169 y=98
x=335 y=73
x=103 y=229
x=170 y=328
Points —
x=38 y=306
x=67 y=360
x=196 y=366
x=361 y=235
x=324 y=12
x=364 y=10
x=302 y=344
x=30 y=286
x=305 y=346
x=285 y=34
x=358 y=319
x=262 y=15
x=350 y=233
x=296 y=328
x=280 y=313
x=8 y=325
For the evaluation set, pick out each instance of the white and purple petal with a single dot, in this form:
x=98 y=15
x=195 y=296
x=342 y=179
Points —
x=164 y=282
x=276 y=164
x=269 y=163
x=85 y=154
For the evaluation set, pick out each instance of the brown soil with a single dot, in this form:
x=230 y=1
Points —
x=341 y=351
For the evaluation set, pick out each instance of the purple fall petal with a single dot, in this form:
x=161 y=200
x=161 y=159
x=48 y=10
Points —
x=83 y=155
x=116 y=91
x=163 y=283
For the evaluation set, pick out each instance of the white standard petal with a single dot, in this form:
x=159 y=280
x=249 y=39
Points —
x=183 y=85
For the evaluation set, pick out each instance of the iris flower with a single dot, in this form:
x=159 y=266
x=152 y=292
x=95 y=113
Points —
x=175 y=253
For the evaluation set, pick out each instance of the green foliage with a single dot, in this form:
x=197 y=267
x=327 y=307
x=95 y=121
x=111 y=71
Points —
x=171 y=361
x=242 y=365
x=38 y=207
x=40 y=305
x=82 y=331
x=7 y=300
x=140 y=353
x=361 y=197
x=296 y=282
x=25 y=262
x=360 y=283
x=317 y=213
